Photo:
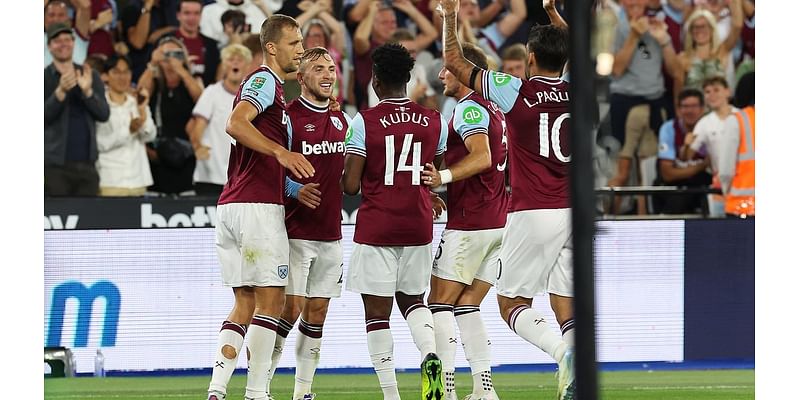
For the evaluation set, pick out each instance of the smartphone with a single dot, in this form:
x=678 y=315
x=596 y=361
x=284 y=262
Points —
x=175 y=54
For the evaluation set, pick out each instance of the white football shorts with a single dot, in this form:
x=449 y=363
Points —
x=252 y=245
x=384 y=270
x=536 y=255
x=315 y=268
x=466 y=255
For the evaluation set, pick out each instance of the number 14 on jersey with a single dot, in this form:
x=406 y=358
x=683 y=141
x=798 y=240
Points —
x=415 y=148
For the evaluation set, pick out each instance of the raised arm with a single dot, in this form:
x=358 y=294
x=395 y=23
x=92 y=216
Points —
x=737 y=21
x=623 y=56
x=427 y=33
x=364 y=30
x=466 y=72
x=511 y=21
x=552 y=12
x=83 y=15
x=359 y=11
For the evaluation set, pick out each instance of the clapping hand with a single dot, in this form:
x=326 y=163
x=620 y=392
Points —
x=84 y=79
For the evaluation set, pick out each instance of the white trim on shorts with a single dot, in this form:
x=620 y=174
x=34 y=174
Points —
x=536 y=255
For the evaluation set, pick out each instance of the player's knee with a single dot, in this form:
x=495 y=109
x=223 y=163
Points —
x=229 y=352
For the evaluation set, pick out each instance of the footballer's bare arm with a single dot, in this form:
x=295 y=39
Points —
x=466 y=72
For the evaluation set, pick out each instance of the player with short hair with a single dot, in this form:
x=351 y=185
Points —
x=536 y=254
x=313 y=216
x=465 y=266
x=251 y=235
x=387 y=147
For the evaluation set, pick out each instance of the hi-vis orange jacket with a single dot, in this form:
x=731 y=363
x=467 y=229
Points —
x=741 y=200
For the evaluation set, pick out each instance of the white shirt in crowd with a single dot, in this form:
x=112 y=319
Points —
x=122 y=158
x=211 y=22
x=417 y=76
x=214 y=105
x=720 y=137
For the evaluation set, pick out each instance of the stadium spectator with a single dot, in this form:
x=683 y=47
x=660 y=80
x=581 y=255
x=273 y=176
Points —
x=143 y=24
x=255 y=13
x=391 y=258
x=203 y=51
x=418 y=88
x=674 y=171
x=251 y=232
x=718 y=134
x=740 y=201
x=536 y=253
x=211 y=144
x=58 y=11
x=233 y=28
x=376 y=29
x=476 y=202
x=748 y=38
x=174 y=92
x=515 y=60
x=704 y=55
x=74 y=100
x=122 y=156
x=101 y=39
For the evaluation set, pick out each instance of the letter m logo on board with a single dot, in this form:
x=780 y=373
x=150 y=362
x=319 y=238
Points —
x=86 y=297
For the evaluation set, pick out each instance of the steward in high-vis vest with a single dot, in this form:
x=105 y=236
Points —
x=741 y=199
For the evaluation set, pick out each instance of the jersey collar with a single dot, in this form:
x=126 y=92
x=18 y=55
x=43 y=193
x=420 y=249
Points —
x=273 y=73
x=397 y=101
x=311 y=106
x=465 y=96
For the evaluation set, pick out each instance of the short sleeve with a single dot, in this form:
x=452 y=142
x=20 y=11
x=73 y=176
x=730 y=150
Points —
x=501 y=88
x=441 y=147
x=355 y=140
x=259 y=90
x=470 y=118
x=666 y=141
x=205 y=104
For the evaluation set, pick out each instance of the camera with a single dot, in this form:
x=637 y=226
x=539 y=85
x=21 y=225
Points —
x=175 y=54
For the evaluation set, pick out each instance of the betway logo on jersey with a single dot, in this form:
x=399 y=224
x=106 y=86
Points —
x=325 y=147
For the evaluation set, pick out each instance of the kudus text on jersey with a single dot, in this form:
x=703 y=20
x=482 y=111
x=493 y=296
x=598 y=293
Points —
x=403 y=117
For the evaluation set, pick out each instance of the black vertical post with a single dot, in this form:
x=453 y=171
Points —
x=583 y=106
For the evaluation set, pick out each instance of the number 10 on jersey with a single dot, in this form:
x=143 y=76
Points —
x=416 y=160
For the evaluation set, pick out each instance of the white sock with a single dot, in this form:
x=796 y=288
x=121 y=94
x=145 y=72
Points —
x=277 y=351
x=381 y=352
x=309 y=342
x=568 y=332
x=476 y=345
x=420 y=322
x=445 y=334
x=261 y=339
x=231 y=334
x=531 y=326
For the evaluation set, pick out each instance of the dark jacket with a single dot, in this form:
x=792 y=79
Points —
x=56 y=116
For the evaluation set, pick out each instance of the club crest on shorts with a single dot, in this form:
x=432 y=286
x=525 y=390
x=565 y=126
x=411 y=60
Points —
x=283 y=271
x=337 y=123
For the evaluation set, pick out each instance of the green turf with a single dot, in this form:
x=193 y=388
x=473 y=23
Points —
x=658 y=385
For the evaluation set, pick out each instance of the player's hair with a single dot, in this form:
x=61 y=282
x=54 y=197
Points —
x=401 y=35
x=392 y=64
x=272 y=28
x=311 y=55
x=516 y=51
x=716 y=80
x=232 y=50
x=475 y=55
x=691 y=92
x=112 y=62
x=549 y=44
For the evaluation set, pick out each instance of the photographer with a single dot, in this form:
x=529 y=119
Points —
x=174 y=93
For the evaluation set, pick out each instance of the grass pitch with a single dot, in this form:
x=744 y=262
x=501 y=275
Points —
x=639 y=385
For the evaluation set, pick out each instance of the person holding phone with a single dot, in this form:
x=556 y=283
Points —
x=122 y=159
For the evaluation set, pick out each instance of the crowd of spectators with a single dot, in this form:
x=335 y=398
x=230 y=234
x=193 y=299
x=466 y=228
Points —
x=136 y=90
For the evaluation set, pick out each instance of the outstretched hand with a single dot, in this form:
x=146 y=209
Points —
x=309 y=195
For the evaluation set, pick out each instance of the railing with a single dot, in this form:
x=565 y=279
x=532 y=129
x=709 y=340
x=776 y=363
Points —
x=614 y=191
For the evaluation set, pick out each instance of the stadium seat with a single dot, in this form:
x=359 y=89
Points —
x=60 y=361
